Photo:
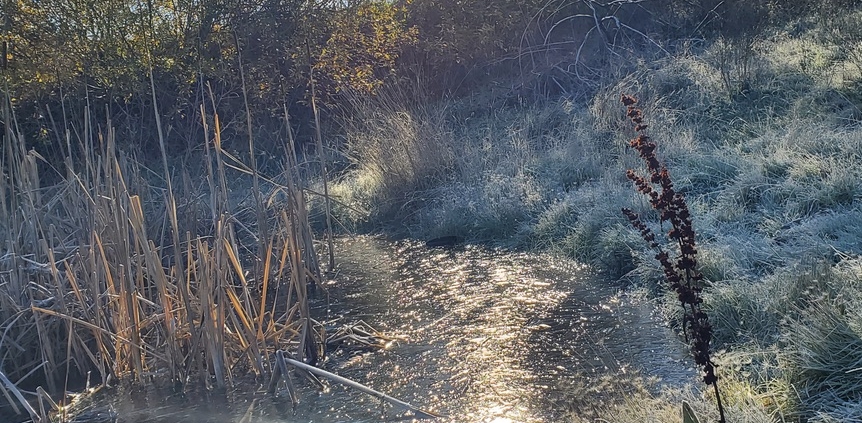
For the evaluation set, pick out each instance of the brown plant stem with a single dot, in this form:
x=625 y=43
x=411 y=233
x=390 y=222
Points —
x=682 y=273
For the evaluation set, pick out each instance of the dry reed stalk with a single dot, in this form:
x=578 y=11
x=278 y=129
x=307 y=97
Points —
x=212 y=315
x=6 y=186
x=321 y=155
x=172 y=213
x=6 y=384
x=262 y=227
x=155 y=272
x=107 y=366
x=285 y=266
x=245 y=332
x=297 y=205
x=89 y=316
x=126 y=248
x=261 y=312
x=214 y=331
x=46 y=348
x=299 y=275
x=257 y=344
x=105 y=331
x=215 y=206
x=222 y=192
x=118 y=315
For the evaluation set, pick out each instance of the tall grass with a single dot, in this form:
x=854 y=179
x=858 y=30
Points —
x=103 y=271
x=397 y=149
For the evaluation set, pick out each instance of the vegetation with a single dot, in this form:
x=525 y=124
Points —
x=682 y=274
x=86 y=288
x=495 y=122
x=761 y=130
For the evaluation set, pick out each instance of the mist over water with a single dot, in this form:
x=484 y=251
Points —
x=481 y=335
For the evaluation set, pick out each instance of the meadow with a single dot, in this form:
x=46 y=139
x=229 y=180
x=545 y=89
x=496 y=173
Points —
x=771 y=172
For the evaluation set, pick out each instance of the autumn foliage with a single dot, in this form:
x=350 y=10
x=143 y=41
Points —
x=363 y=47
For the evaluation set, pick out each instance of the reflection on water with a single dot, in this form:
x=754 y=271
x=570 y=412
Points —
x=483 y=336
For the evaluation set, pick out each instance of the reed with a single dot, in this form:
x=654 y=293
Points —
x=681 y=271
x=99 y=272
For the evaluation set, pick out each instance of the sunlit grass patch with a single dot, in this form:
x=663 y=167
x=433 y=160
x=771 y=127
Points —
x=824 y=346
x=586 y=225
x=744 y=311
x=494 y=208
x=396 y=149
x=353 y=197
x=794 y=336
x=643 y=403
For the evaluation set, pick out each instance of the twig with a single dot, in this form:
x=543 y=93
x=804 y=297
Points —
x=422 y=414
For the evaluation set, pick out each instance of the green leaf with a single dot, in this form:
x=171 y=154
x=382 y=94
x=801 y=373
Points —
x=688 y=415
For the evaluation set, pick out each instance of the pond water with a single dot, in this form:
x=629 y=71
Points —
x=483 y=335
